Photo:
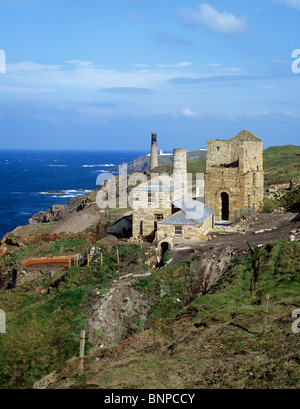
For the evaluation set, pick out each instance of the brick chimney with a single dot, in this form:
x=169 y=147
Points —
x=153 y=158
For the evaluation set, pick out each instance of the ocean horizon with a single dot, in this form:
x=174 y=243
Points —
x=34 y=180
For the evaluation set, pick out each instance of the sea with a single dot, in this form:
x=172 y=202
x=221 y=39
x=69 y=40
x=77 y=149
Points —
x=34 y=180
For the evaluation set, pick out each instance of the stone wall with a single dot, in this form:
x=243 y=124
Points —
x=145 y=212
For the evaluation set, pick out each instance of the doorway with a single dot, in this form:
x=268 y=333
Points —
x=225 y=205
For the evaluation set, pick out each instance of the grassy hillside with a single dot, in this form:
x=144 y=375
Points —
x=212 y=341
x=281 y=164
x=44 y=316
x=215 y=341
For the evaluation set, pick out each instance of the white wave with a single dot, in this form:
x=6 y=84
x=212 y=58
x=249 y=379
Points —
x=77 y=191
x=58 y=166
x=66 y=193
x=95 y=166
x=65 y=196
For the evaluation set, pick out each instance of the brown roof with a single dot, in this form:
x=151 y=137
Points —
x=246 y=136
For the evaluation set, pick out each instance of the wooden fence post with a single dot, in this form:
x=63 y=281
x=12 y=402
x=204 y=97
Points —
x=154 y=322
x=81 y=351
x=70 y=263
x=118 y=259
x=88 y=259
x=266 y=313
x=101 y=258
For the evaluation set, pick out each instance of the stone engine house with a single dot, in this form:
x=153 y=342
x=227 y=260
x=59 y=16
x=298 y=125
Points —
x=234 y=177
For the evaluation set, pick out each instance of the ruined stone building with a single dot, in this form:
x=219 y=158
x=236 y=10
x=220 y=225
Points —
x=234 y=177
x=162 y=209
x=233 y=182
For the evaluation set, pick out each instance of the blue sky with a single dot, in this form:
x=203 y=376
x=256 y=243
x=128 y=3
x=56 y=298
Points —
x=104 y=74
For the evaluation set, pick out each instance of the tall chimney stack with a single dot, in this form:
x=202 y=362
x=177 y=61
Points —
x=180 y=166
x=153 y=157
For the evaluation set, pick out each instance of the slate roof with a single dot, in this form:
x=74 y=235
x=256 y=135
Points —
x=162 y=183
x=178 y=218
x=192 y=212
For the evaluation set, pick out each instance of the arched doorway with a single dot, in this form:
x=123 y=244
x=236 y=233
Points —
x=225 y=205
x=163 y=246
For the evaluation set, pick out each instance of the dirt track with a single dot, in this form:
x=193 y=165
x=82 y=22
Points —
x=76 y=222
x=281 y=223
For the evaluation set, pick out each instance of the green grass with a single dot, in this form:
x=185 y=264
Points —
x=270 y=205
x=196 y=166
x=20 y=254
x=169 y=288
x=281 y=164
x=58 y=247
x=64 y=246
x=40 y=335
x=278 y=276
x=42 y=329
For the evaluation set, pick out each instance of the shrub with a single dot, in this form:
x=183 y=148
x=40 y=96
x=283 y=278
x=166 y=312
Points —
x=270 y=205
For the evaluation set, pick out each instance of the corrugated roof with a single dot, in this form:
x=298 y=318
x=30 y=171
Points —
x=162 y=183
x=192 y=212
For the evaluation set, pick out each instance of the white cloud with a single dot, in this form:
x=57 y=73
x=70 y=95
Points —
x=233 y=69
x=81 y=63
x=213 y=65
x=292 y=3
x=188 y=113
x=213 y=20
x=177 y=65
x=87 y=76
x=142 y=65
x=31 y=66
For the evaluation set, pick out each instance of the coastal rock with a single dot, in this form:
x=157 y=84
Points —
x=3 y=251
x=54 y=214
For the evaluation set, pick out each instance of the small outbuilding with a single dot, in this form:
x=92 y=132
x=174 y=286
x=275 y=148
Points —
x=191 y=220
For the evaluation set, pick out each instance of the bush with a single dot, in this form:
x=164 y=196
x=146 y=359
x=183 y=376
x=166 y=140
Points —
x=270 y=205
x=291 y=200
